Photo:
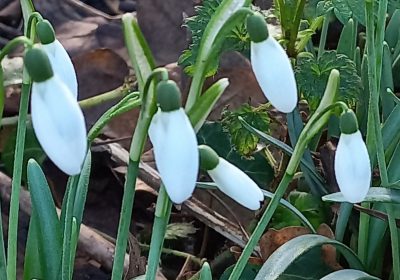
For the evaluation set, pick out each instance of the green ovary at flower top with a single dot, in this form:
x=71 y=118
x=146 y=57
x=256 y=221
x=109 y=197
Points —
x=58 y=56
x=230 y=179
x=271 y=66
x=174 y=143
x=56 y=116
x=352 y=163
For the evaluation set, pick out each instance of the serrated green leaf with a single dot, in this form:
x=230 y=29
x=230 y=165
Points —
x=312 y=75
x=237 y=40
x=323 y=7
x=243 y=140
x=179 y=230
x=342 y=10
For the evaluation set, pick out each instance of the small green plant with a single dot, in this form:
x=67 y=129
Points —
x=350 y=92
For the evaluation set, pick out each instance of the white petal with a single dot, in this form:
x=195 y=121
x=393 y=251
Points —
x=352 y=167
x=176 y=153
x=236 y=184
x=59 y=124
x=274 y=74
x=62 y=65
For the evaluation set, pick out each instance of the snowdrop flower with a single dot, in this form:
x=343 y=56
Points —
x=174 y=144
x=230 y=179
x=352 y=164
x=56 y=116
x=58 y=56
x=271 y=66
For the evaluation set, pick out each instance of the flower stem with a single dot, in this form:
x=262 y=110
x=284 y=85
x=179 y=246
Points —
x=136 y=149
x=394 y=237
x=163 y=212
x=66 y=263
x=90 y=102
x=16 y=182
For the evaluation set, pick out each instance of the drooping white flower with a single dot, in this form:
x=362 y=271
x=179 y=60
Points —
x=58 y=56
x=175 y=146
x=352 y=163
x=230 y=179
x=57 y=119
x=271 y=66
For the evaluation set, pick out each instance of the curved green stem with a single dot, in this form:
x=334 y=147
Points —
x=33 y=18
x=136 y=149
x=315 y=124
x=13 y=43
x=162 y=214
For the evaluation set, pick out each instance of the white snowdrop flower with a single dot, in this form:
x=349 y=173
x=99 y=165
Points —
x=271 y=66
x=352 y=164
x=58 y=56
x=230 y=179
x=57 y=119
x=174 y=144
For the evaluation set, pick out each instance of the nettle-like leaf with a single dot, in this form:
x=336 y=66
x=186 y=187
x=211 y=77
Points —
x=323 y=7
x=179 y=230
x=237 y=40
x=312 y=75
x=345 y=9
x=243 y=140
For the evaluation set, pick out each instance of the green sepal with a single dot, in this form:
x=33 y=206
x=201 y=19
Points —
x=38 y=65
x=45 y=32
x=209 y=159
x=257 y=28
x=348 y=122
x=168 y=96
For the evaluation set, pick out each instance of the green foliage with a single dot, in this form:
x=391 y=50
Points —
x=309 y=205
x=249 y=273
x=243 y=140
x=257 y=167
x=32 y=150
x=237 y=40
x=179 y=230
x=312 y=75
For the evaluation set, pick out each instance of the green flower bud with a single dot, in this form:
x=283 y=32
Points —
x=168 y=96
x=257 y=28
x=45 y=32
x=38 y=65
x=209 y=159
x=348 y=122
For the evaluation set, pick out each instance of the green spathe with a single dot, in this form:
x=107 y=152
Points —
x=45 y=32
x=348 y=122
x=209 y=159
x=38 y=65
x=257 y=28
x=168 y=96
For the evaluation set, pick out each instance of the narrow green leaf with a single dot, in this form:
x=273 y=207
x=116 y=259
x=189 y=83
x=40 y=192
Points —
x=48 y=223
x=33 y=261
x=285 y=148
x=347 y=40
x=205 y=103
x=392 y=30
x=81 y=190
x=284 y=256
x=349 y=274
x=205 y=273
x=138 y=49
x=387 y=82
x=374 y=195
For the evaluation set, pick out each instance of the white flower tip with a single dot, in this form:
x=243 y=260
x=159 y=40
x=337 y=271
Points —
x=237 y=184
x=352 y=167
x=274 y=73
